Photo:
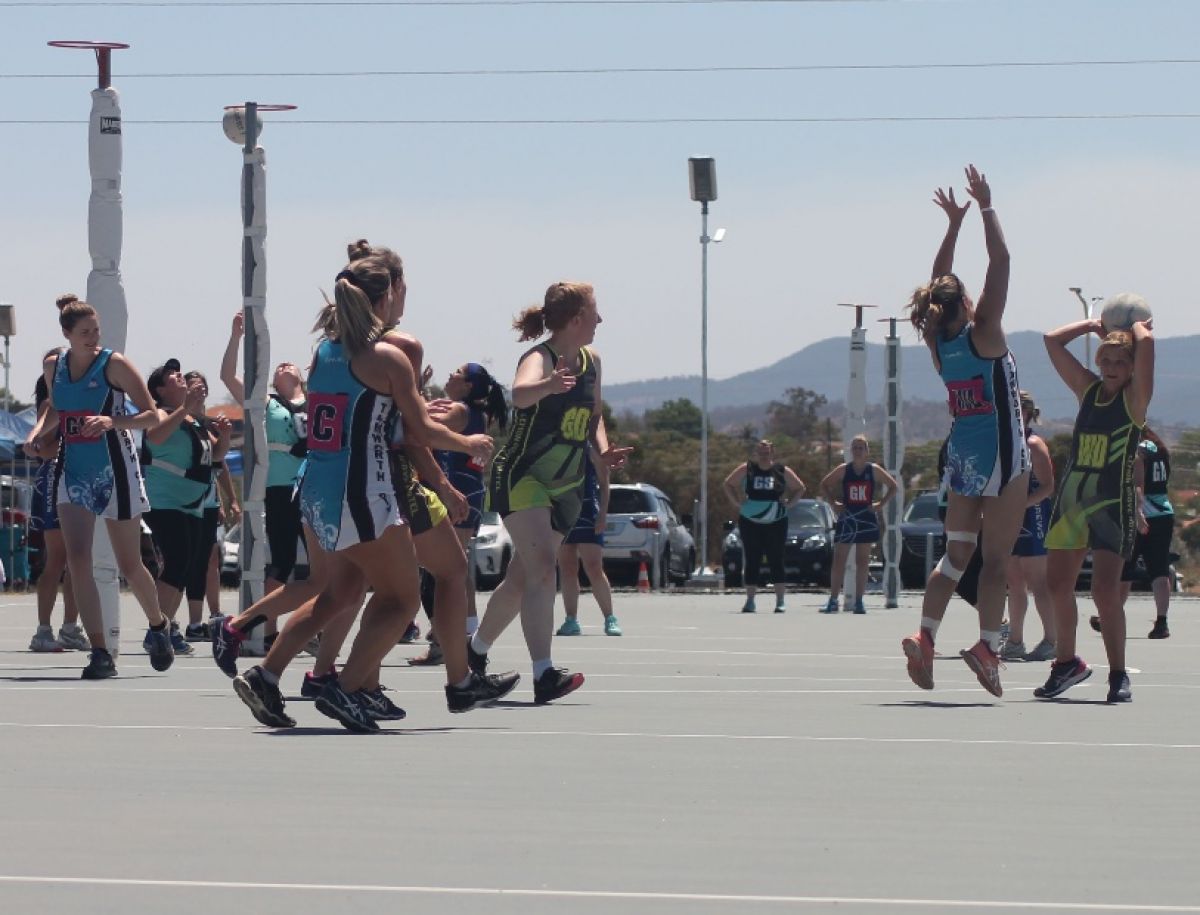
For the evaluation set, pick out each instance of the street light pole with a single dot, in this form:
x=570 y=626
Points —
x=702 y=175
x=8 y=328
x=1087 y=316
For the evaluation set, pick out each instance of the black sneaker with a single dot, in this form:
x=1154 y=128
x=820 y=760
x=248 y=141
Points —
x=1094 y=622
x=262 y=698
x=197 y=632
x=481 y=691
x=226 y=646
x=158 y=646
x=1160 y=630
x=314 y=683
x=1063 y=675
x=348 y=709
x=411 y=634
x=1118 y=687
x=554 y=684
x=380 y=707
x=178 y=643
x=476 y=661
x=100 y=666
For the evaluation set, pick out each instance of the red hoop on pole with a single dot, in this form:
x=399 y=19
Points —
x=103 y=51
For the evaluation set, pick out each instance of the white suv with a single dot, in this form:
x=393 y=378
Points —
x=643 y=527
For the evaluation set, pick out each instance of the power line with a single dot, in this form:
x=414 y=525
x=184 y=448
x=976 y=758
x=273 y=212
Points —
x=538 y=122
x=242 y=4
x=572 y=71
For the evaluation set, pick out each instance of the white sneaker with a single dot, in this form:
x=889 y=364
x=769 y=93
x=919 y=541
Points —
x=44 y=640
x=73 y=637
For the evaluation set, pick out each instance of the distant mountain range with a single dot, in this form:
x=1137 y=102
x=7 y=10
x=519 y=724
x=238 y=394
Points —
x=823 y=367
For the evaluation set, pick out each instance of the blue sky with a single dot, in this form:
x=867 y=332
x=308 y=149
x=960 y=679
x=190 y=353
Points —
x=487 y=216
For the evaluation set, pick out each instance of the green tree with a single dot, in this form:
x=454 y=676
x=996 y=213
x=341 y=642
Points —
x=681 y=416
x=796 y=416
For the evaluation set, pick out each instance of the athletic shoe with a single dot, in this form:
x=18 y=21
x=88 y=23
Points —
x=1094 y=622
x=570 y=626
x=179 y=643
x=433 y=657
x=554 y=684
x=986 y=664
x=411 y=634
x=158 y=645
x=72 y=637
x=779 y=608
x=314 y=683
x=1063 y=675
x=748 y=606
x=44 y=641
x=262 y=698
x=197 y=632
x=100 y=666
x=226 y=647
x=1005 y=632
x=1118 y=687
x=1160 y=630
x=476 y=661
x=1042 y=651
x=349 y=709
x=1013 y=651
x=831 y=606
x=919 y=651
x=314 y=645
x=612 y=627
x=858 y=605
x=480 y=692
x=380 y=707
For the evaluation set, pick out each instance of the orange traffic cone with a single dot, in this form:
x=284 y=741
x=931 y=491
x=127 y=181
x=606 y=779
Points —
x=643 y=584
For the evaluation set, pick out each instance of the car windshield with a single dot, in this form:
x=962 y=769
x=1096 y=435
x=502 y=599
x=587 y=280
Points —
x=923 y=508
x=489 y=519
x=805 y=514
x=629 y=502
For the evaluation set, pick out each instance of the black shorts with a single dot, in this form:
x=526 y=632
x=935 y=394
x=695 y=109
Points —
x=175 y=534
x=283 y=530
x=1154 y=547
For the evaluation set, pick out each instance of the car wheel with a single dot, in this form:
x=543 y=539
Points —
x=681 y=578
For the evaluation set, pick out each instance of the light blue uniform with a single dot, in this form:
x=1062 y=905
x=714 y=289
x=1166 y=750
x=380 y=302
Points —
x=179 y=473
x=346 y=493
x=100 y=474
x=986 y=448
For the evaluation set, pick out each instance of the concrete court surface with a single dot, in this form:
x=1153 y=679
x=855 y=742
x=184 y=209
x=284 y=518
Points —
x=714 y=762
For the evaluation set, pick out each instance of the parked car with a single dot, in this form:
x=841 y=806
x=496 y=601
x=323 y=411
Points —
x=643 y=527
x=921 y=518
x=808 y=555
x=493 y=551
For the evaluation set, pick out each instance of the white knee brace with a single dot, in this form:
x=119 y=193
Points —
x=945 y=567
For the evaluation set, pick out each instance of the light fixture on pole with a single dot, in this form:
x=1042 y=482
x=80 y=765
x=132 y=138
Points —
x=702 y=178
x=1087 y=316
x=8 y=328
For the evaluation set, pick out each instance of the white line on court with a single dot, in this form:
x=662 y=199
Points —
x=718 y=898
x=639 y=735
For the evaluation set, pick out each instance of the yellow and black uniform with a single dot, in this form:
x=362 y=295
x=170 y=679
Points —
x=541 y=464
x=1095 y=502
x=419 y=503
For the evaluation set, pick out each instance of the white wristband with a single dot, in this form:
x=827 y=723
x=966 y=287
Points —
x=986 y=210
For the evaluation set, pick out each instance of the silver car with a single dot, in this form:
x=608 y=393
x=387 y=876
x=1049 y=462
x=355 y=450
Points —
x=643 y=527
